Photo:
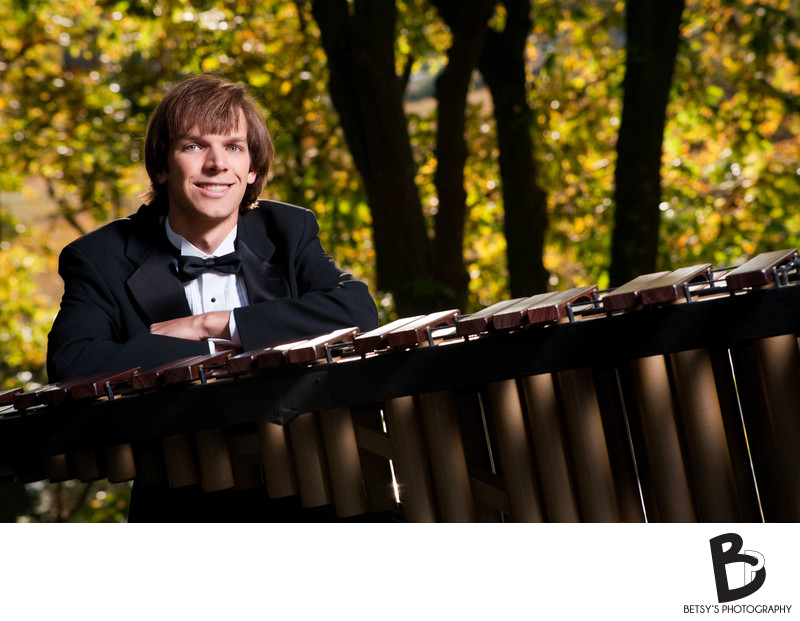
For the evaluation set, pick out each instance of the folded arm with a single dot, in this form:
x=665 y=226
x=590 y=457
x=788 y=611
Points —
x=90 y=333
x=196 y=327
x=322 y=298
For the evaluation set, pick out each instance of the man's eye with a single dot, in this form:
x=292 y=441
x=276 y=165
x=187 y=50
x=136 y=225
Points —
x=191 y=147
x=235 y=148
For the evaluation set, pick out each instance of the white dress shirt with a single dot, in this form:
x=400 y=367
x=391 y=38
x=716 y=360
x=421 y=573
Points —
x=213 y=290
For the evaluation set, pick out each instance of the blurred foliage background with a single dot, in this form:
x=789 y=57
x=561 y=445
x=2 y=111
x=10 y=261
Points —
x=78 y=79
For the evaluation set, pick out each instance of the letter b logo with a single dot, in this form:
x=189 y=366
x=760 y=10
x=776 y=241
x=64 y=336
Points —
x=753 y=572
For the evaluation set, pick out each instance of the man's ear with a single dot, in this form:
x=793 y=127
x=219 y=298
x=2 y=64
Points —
x=251 y=177
x=162 y=177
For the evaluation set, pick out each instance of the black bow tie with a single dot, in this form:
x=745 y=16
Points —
x=190 y=268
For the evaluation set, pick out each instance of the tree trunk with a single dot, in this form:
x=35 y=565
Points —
x=468 y=23
x=653 y=31
x=502 y=64
x=358 y=40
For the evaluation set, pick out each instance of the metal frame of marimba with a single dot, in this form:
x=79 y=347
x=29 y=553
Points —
x=571 y=406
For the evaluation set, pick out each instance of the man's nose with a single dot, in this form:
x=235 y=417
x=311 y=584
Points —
x=216 y=159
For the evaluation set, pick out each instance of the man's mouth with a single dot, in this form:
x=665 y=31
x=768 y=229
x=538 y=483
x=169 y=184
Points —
x=214 y=187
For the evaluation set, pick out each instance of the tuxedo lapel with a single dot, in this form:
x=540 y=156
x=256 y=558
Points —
x=154 y=284
x=263 y=280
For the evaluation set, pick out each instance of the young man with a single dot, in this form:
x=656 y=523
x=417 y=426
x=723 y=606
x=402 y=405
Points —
x=203 y=263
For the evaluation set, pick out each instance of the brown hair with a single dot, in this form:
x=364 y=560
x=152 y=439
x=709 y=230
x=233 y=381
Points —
x=212 y=104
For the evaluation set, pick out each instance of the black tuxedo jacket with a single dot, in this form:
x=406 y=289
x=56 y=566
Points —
x=121 y=278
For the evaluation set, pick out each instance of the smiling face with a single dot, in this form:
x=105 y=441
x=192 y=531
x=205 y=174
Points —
x=200 y=105
x=206 y=178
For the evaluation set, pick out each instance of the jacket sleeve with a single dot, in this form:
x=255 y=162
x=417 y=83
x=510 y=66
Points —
x=88 y=335
x=323 y=298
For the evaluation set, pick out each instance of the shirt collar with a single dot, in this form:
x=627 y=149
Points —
x=186 y=248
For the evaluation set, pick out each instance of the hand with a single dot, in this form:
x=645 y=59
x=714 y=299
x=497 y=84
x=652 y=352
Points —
x=215 y=324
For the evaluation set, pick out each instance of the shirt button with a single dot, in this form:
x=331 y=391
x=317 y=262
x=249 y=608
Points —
x=213 y=300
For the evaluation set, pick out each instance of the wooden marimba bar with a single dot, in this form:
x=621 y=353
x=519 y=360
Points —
x=672 y=398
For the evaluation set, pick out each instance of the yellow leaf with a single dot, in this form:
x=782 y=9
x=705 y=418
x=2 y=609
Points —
x=210 y=64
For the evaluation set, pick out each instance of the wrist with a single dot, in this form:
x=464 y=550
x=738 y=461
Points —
x=216 y=324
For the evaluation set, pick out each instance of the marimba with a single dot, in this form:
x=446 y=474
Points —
x=675 y=397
